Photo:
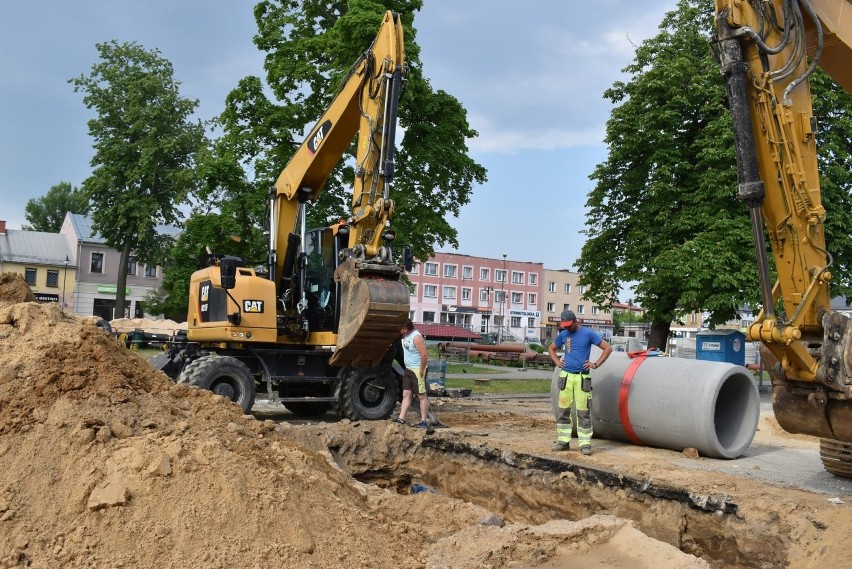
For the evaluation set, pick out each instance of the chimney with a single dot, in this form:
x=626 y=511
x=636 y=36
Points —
x=2 y=227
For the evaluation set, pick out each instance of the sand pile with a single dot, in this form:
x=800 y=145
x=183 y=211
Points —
x=104 y=463
x=149 y=325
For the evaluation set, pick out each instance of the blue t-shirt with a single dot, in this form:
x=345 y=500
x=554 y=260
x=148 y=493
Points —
x=578 y=347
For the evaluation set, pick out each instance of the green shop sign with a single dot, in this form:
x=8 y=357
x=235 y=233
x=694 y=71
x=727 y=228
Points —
x=111 y=289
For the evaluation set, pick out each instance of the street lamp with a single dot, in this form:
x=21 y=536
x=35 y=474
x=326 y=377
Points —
x=502 y=302
x=64 y=278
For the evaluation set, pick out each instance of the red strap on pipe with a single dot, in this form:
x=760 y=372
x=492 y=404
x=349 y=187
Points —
x=624 y=394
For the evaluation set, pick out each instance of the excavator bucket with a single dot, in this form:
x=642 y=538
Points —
x=374 y=305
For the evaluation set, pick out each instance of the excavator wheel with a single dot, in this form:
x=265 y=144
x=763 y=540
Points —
x=369 y=394
x=836 y=457
x=374 y=306
x=223 y=375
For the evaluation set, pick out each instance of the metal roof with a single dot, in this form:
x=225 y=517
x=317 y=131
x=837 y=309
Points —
x=84 y=232
x=36 y=247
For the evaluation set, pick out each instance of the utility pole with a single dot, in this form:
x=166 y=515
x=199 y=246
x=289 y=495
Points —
x=64 y=278
x=500 y=333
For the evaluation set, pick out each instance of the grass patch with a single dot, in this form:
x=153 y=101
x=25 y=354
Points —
x=501 y=385
x=460 y=368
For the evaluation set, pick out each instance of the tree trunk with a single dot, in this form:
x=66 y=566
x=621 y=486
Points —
x=659 y=335
x=121 y=282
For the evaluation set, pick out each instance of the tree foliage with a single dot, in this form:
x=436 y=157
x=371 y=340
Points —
x=145 y=151
x=48 y=212
x=663 y=213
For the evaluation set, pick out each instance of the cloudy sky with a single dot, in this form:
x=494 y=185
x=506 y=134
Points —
x=530 y=74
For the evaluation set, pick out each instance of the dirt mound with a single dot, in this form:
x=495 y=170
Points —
x=105 y=463
x=14 y=289
x=147 y=324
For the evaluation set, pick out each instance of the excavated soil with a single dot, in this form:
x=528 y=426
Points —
x=104 y=463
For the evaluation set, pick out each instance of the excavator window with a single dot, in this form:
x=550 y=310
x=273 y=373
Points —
x=319 y=281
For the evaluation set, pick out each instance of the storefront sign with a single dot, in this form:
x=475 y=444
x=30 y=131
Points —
x=44 y=297
x=111 y=289
x=528 y=313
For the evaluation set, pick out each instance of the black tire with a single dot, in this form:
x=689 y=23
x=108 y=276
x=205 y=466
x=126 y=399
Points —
x=223 y=375
x=307 y=408
x=369 y=394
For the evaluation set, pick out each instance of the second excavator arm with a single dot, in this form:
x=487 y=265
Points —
x=764 y=49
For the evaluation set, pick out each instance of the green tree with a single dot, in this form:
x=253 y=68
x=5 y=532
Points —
x=663 y=212
x=145 y=152
x=48 y=212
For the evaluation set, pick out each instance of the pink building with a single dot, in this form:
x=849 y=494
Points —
x=496 y=297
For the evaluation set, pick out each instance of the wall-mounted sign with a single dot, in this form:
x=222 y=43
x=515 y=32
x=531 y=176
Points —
x=111 y=289
x=44 y=297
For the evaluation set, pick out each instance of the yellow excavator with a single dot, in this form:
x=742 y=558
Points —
x=768 y=49
x=315 y=325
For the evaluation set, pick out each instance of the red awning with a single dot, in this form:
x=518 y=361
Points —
x=432 y=331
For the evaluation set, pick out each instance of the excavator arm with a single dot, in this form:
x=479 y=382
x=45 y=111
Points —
x=768 y=49
x=374 y=303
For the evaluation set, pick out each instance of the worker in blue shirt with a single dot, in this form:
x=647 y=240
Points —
x=575 y=383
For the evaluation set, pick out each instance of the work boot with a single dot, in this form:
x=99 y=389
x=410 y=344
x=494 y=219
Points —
x=560 y=446
x=587 y=450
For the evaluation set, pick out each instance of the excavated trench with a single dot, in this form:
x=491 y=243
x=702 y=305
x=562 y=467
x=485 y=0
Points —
x=532 y=490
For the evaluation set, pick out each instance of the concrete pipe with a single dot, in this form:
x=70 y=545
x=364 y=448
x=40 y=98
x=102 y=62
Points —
x=676 y=403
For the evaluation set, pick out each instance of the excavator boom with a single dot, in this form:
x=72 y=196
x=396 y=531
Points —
x=768 y=49
x=373 y=301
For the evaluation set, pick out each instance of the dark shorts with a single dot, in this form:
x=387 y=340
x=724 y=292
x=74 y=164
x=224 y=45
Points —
x=411 y=383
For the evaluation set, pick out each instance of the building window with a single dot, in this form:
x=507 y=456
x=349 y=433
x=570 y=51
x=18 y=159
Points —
x=97 y=266
x=483 y=294
x=594 y=310
x=567 y=288
x=430 y=269
x=581 y=309
x=533 y=278
x=428 y=317
x=566 y=306
x=449 y=292
x=450 y=271
x=466 y=292
x=53 y=278
x=516 y=322
x=500 y=276
x=532 y=299
x=430 y=291
x=517 y=298
x=131 y=267
x=551 y=286
x=150 y=271
x=530 y=322
x=582 y=289
x=517 y=277
x=484 y=274
x=413 y=289
x=499 y=296
x=551 y=307
x=467 y=273
x=30 y=276
x=415 y=269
